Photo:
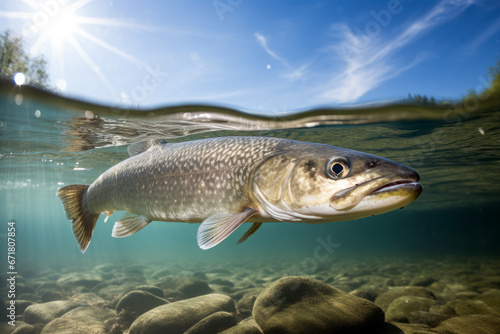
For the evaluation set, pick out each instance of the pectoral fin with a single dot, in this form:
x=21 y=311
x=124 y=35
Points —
x=218 y=227
x=251 y=230
x=129 y=224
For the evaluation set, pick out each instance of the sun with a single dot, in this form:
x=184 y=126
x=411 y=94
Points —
x=56 y=25
x=62 y=26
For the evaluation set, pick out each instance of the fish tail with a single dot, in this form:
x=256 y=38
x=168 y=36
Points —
x=83 y=219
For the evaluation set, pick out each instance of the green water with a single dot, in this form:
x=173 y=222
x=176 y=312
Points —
x=48 y=141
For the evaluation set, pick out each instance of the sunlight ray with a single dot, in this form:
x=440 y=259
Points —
x=16 y=15
x=74 y=6
x=108 y=47
x=93 y=66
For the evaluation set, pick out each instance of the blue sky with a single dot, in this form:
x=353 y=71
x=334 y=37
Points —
x=272 y=56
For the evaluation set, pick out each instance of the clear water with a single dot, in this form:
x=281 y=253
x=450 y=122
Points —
x=49 y=141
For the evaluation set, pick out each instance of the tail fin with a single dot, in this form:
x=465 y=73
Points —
x=83 y=220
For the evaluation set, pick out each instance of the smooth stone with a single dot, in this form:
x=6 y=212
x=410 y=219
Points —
x=385 y=298
x=30 y=296
x=403 y=328
x=46 y=312
x=467 y=307
x=304 y=305
x=244 y=306
x=445 y=310
x=50 y=296
x=180 y=316
x=422 y=280
x=221 y=281
x=369 y=295
x=81 y=320
x=188 y=286
x=213 y=324
x=427 y=318
x=490 y=298
x=401 y=307
x=88 y=298
x=22 y=305
x=247 y=326
x=47 y=286
x=470 y=324
x=151 y=289
x=22 y=288
x=72 y=280
x=173 y=295
x=200 y=275
x=5 y=328
x=25 y=329
x=139 y=302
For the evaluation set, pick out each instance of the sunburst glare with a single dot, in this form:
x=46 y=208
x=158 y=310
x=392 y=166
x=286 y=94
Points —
x=56 y=25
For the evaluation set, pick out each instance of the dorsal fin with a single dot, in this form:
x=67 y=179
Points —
x=142 y=146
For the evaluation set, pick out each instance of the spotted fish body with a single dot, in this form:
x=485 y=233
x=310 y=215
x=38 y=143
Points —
x=223 y=182
x=185 y=182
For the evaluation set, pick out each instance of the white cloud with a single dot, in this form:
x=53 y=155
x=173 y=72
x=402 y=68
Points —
x=370 y=61
x=294 y=74
x=485 y=35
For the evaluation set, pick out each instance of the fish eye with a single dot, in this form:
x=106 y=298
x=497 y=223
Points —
x=337 y=169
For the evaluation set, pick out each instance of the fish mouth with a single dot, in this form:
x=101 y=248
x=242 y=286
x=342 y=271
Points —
x=398 y=185
x=377 y=189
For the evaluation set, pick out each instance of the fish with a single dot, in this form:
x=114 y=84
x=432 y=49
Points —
x=224 y=182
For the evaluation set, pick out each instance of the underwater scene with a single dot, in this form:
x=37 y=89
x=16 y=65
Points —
x=249 y=167
x=429 y=268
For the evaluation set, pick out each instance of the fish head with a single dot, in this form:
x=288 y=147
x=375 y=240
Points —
x=320 y=183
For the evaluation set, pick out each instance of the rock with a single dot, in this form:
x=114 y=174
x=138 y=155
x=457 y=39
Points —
x=490 y=298
x=139 y=302
x=173 y=295
x=369 y=295
x=5 y=328
x=25 y=329
x=88 y=298
x=221 y=281
x=426 y=318
x=467 y=307
x=30 y=296
x=213 y=324
x=188 y=286
x=80 y=320
x=445 y=310
x=244 y=306
x=46 y=312
x=402 y=306
x=180 y=316
x=385 y=299
x=304 y=305
x=22 y=305
x=51 y=295
x=402 y=328
x=422 y=280
x=151 y=289
x=47 y=286
x=467 y=324
x=22 y=288
x=73 y=280
x=200 y=275
x=247 y=326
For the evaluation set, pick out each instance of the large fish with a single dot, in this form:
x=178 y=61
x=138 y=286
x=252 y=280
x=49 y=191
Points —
x=224 y=182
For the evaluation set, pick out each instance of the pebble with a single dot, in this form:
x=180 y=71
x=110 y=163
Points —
x=304 y=305
x=179 y=316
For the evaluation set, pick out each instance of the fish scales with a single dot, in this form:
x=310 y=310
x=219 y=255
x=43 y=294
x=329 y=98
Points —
x=186 y=181
x=225 y=182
